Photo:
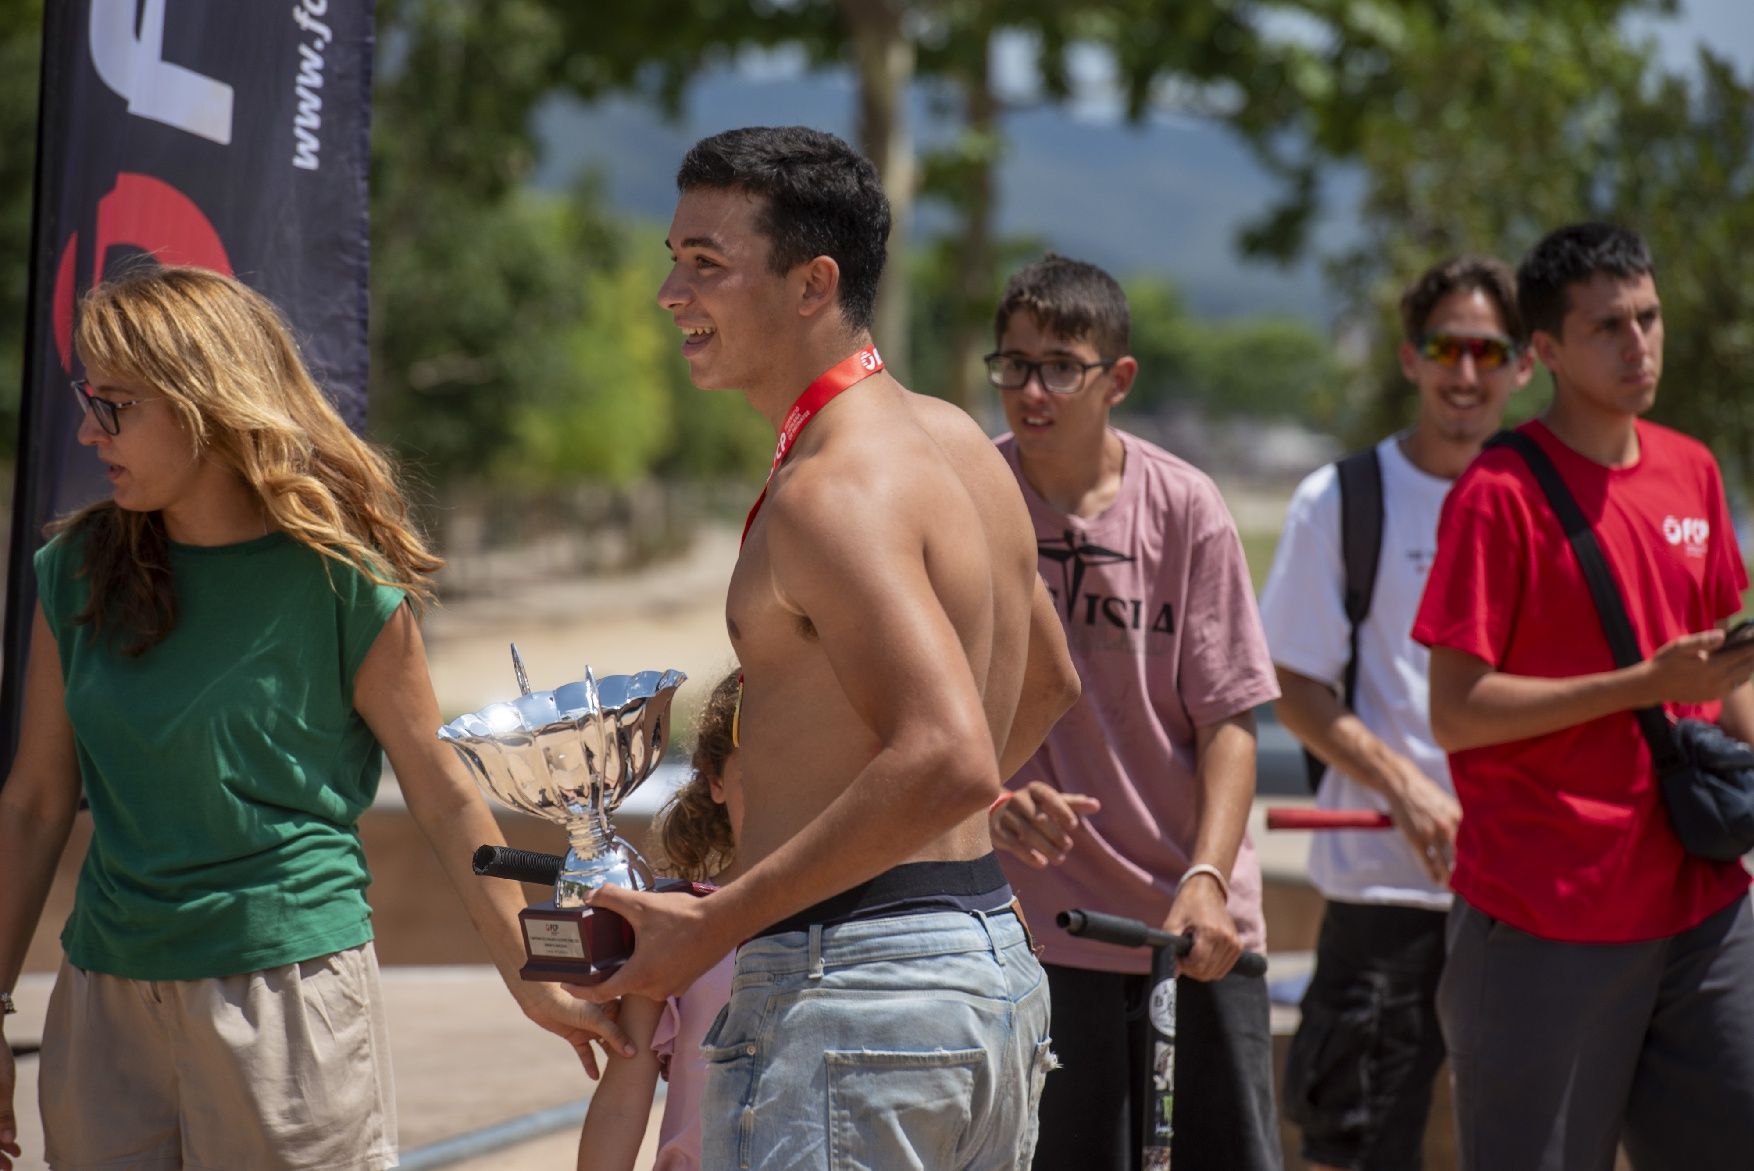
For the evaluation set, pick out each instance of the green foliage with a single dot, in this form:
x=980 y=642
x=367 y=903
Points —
x=516 y=336
x=947 y=302
x=624 y=407
x=1480 y=126
x=1270 y=367
x=471 y=304
x=20 y=50
x=608 y=414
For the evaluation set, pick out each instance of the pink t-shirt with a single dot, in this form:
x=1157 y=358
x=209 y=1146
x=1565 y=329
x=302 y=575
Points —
x=1161 y=621
x=681 y=1029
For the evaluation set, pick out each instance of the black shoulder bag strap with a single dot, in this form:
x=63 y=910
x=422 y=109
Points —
x=1361 y=522
x=1654 y=721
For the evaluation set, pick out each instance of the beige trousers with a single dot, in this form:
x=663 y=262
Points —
x=283 y=1068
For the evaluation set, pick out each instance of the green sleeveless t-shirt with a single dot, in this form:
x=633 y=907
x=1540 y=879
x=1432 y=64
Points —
x=226 y=767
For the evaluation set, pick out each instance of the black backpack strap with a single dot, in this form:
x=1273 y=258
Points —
x=1361 y=522
x=1600 y=579
x=1360 y=544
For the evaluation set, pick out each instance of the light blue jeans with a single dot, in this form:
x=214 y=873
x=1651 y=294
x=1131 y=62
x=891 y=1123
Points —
x=919 y=1041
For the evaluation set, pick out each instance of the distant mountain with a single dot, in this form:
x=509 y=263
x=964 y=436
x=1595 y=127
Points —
x=1167 y=197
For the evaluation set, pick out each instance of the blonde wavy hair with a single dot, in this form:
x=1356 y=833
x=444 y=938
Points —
x=225 y=361
x=694 y=831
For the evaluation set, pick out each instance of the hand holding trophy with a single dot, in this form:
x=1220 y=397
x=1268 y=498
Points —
x=573 y=755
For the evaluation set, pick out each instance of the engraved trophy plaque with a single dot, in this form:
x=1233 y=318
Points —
x=572 y=756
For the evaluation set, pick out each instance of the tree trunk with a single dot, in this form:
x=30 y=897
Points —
x=975 y=277
x=884 y=59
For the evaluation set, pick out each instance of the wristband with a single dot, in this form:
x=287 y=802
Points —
x=1210 y=871
x=999 y=802
x=7 y=1008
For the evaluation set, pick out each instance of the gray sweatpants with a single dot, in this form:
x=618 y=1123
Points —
x=1561 y=1049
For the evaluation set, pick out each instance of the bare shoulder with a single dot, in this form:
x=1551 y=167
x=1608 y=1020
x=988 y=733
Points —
x=953 y=429
x=865 y=492
x=977 y=462
x=840 y=490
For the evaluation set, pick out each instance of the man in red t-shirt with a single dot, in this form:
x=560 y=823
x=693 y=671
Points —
x=1600 y=980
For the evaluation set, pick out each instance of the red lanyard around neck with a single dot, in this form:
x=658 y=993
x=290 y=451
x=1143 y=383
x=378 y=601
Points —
x=841 y=376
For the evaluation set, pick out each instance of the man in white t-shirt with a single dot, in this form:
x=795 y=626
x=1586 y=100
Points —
x=1359 y=1073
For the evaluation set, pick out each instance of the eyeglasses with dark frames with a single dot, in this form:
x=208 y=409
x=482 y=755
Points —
x=106 y=412
x=1058 y=375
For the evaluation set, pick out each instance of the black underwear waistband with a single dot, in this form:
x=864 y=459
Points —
x=913 y=888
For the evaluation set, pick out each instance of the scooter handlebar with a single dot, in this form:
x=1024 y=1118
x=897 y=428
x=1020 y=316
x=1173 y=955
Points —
x=1124 y=932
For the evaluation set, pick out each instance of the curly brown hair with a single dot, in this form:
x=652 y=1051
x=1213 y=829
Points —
x=694 y=831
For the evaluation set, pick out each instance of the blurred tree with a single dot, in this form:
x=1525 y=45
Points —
x=622 y=406
x=1475 y=122
x=1683 y=174
x=472 y=286
x=1158 y=45
x=656 y=48
x=1485 y=125
x=1463 y=118
x=515 y=336
x=953 y=317
x=1270 y=367
x=21 y=37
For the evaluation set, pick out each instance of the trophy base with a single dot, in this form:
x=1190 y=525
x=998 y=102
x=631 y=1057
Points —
x=575 y=945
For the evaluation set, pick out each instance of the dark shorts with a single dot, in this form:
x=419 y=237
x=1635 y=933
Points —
x=1359 y=1072
x=1091 y=1106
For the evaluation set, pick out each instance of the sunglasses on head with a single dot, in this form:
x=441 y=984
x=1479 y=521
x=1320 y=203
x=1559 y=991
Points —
x=1489 y=353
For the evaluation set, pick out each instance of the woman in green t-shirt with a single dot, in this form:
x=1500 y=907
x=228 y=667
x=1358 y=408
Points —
x=219 y=652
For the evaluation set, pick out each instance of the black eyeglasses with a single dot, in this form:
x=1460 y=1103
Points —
x=1446 y=349
x=1058 y=375
x=105 y=411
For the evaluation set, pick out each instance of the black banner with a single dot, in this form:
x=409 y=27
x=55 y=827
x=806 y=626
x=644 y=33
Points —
x=232 y=134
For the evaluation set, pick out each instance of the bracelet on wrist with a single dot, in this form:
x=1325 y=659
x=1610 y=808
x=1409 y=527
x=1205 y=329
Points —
x=1210 y=871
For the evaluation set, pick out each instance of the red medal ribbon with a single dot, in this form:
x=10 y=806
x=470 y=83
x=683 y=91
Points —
x=839 y=377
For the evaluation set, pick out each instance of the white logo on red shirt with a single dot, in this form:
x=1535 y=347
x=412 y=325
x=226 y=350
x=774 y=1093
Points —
x=1693 y=532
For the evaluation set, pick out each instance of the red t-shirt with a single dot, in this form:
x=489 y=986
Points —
x=1564 y=835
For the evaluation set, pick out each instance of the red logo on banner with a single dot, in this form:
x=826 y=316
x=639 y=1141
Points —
x=138 y=212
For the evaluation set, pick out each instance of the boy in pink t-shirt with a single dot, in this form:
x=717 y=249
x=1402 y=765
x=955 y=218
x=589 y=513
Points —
x=1137 y=803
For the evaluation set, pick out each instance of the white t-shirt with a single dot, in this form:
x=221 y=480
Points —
x=1303 y=610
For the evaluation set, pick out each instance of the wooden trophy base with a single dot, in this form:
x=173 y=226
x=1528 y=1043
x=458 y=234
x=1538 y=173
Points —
x=575 y=945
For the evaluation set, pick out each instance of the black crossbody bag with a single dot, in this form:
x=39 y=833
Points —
x=1706 y=775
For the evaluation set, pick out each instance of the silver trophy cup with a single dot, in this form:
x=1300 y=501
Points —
x=572 y=756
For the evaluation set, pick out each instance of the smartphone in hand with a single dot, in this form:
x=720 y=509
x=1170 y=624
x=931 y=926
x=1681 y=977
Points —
x=1741 y=634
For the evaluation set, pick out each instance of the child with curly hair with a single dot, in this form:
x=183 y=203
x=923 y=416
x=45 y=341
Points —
x=697 y=833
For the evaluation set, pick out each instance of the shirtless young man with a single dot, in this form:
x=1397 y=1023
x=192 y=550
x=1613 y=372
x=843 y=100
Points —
x=901 y=657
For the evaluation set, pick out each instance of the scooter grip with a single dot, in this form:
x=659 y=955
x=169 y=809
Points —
x=1124 y=932
x=1295 y=817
